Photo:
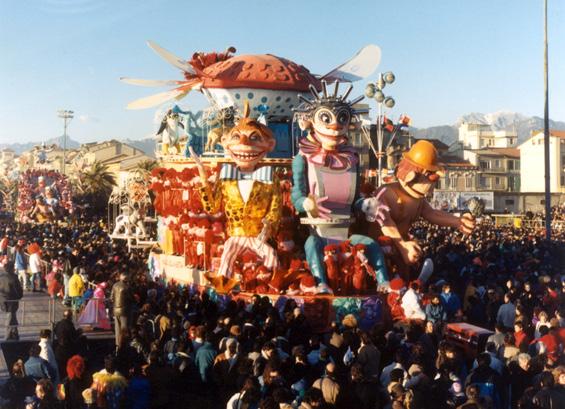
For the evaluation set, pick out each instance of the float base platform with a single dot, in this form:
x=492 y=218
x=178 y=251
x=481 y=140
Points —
x=320 y=310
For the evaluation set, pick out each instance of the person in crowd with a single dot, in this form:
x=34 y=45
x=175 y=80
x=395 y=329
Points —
x=121 y=302
x=76 y=290
x=109 y=385
x=35 y=266
x=19 y=386
x=45 y=396
x=329 y=386
x=48 y=354
x=451 y=302
x=10 y=293
x=506 y=313
x=67 y=337
x=75 y=383
x=20 y=262
x=36 y=367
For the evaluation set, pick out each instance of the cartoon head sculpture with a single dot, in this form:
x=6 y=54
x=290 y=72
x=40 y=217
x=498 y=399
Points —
x=328 y=118
x=419 y=170
x=248 y=142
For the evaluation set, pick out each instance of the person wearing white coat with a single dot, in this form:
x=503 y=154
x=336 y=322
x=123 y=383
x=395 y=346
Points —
x=411 y=303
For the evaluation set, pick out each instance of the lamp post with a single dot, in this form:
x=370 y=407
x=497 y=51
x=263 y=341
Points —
x=67 y=116
x=375 y=91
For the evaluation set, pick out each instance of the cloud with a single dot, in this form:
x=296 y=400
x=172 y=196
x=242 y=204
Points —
x=88 y=118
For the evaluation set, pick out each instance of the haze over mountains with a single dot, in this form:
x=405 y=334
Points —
x=501 y=120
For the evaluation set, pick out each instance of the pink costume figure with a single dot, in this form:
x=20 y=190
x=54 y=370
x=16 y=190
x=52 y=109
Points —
x=95 y=312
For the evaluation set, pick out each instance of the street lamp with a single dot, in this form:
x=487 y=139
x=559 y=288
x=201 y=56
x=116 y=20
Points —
x=67 y=116
x=375 y=91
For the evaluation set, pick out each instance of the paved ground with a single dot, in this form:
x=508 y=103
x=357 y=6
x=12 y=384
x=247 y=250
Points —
x=37 y=311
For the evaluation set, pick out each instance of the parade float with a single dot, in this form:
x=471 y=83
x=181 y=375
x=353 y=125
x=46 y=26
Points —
x=131 y=213
x=43 y=196
x=273 y=203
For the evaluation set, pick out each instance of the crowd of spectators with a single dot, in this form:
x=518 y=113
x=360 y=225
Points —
x=179 y=347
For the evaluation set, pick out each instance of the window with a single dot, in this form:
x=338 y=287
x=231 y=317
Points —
x=510 y=164
x=562 y=180
x=484 y=182
x=453 y=182
x=542 y=202
x=497 y=164
x=484 y=164
x=497 y=181
x=509 y=202
x=469 y=182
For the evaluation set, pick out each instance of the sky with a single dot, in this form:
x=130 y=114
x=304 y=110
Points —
x=450 y=57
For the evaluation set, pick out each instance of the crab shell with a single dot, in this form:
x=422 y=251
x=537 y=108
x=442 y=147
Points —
x=269 y=83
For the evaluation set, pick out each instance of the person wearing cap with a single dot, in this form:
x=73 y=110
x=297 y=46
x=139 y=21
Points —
x=398 y=205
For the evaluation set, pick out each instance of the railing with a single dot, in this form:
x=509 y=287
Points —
x=33 y=315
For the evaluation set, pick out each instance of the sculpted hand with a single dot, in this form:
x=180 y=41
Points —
x=375 y=208
x=313 y=206
x=265 y=232
x=466 y=223
x=199 y=165
x=411 y=251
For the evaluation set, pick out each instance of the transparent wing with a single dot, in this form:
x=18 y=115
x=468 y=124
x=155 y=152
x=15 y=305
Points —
x=171 y=58
x=157 y=99
x=360 y=66
x=150 y=83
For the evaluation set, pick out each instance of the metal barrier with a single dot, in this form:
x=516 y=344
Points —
x=34 y=314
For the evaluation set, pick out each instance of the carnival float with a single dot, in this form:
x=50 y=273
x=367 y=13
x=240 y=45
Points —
x=43 y=196
x=274 y=202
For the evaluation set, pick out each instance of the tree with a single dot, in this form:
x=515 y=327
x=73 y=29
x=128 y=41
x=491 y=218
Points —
x=96 y=179
x=145 y=167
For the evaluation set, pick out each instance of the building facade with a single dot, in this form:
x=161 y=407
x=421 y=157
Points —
x=532 y=162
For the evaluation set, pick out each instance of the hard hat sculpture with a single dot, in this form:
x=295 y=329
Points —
x=398 y=205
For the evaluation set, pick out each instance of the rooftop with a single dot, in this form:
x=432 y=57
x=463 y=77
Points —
x=507 y=152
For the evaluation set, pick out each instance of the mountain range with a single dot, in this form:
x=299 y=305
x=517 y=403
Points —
x=501 y=120
x=498 y=121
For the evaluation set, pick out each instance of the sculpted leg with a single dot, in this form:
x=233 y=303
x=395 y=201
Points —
x=375 y=256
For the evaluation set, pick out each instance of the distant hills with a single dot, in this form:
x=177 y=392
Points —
x=501 y=120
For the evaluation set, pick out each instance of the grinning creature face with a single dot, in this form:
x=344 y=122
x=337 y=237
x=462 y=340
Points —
x=328 y=117
x=415 y=181
x=330 y=125
x=248 y=142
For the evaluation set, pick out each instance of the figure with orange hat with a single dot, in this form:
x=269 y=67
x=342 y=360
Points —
x=398 y=205
x=249 y=194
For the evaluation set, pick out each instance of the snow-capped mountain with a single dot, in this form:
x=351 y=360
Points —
x=502 y=120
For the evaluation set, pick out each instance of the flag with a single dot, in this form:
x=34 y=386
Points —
x=387 y=124
x=405 y=120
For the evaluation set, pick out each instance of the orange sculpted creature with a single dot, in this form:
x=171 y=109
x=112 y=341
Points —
x=398 y=205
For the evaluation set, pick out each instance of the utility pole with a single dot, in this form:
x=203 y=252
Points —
x=67 y=116
x=546 y=137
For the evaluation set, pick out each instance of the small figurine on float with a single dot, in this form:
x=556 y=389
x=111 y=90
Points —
x=169 y=131
x=221 y=123
x=326 y=180
x=249 y=193
x=398 y=205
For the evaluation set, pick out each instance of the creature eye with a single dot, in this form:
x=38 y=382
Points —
x=254 y=137
x=235 y=137
x=343 y=117
x=325 y=117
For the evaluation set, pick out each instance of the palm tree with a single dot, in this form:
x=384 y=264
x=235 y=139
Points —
x=145 y=167
x=96 y=180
